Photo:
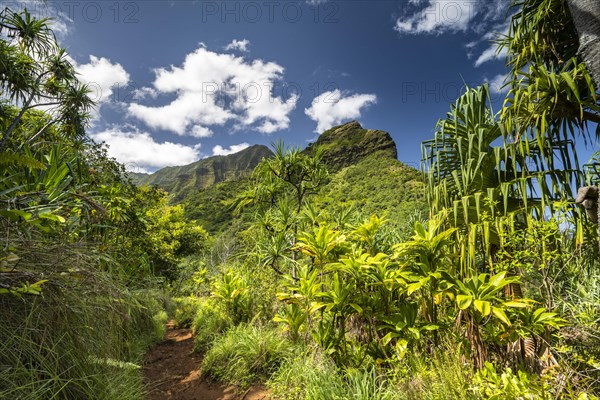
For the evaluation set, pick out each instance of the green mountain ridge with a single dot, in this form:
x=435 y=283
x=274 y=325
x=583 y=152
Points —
x=365 y=174
x=185 y=180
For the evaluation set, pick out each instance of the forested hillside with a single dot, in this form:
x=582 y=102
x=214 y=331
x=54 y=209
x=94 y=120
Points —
x=363 y=174
x=182 y=182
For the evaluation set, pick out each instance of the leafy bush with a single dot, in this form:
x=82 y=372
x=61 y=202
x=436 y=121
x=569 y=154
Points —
x=487 y=384
x=231 y=290
x=210 y=321
x=185 y=310
x=246 y=354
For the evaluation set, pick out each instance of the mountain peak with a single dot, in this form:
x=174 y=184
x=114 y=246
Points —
x=349 y=143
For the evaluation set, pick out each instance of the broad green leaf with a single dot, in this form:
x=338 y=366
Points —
x=484 y=307
x=464 y=301
x=516 y=304
x=501 y=315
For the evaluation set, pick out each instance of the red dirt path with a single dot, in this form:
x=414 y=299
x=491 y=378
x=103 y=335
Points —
x=172 y=372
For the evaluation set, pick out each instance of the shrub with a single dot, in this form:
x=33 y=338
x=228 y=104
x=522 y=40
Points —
x=487 y=384
x=210 y=321
x=246 y=354
x=185 y=311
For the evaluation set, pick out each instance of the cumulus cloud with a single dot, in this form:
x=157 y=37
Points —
x=496 y=84
x=201 y=132
x=213 y=89
x=219 y=150
x=451 y=16
x=144 y=93
x=239 y=45
x=331 y=108
x=141 y=153
x=102 y=75
x=438 y=16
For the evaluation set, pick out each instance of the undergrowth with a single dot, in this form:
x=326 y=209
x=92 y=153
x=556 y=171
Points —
x=247 y=354
x=210 y=322
x=82 y=338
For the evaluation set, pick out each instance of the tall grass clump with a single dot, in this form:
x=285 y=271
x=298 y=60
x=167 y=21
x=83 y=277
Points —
x=314 y=376
x=437 y=377
x=210 y=321
x=247 y=354
x=82 y=338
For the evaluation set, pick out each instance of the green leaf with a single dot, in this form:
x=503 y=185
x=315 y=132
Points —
x=16 y=214
x=515 y=304
x=388 y=338
x=484 y=307
x=431 y=327
x=501 y=315
x=413 y=287
x=52 y=217
x=356 y=307
x=464 y=301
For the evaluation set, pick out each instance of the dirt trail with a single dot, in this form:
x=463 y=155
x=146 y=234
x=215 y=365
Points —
x=172 y=372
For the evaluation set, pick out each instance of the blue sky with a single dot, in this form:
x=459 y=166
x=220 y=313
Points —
x=180 y=80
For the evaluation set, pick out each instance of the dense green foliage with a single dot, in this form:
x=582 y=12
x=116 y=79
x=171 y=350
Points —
x=335 y=272
x=213 y=207
x=246 y=354
x=79 y=241
x=377 y=184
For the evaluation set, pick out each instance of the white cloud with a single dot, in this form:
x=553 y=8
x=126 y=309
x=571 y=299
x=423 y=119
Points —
x=331 y=108
x=143 y=93
x=213 y=89
x=451 y=16
x=486 y=18
x=491 y=53
x=201 y=132
x=439 y=16
x=102 y=76
x=140 y=152
x=218 y=150
x=239 y=45
x=496 y=84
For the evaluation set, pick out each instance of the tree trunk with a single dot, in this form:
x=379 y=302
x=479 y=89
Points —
x=586 y=16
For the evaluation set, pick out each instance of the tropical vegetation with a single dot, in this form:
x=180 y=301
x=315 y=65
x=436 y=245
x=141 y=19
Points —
x=318 y=275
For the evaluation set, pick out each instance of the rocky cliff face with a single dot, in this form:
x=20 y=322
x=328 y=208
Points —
x=348 y=144
x=187 y=179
